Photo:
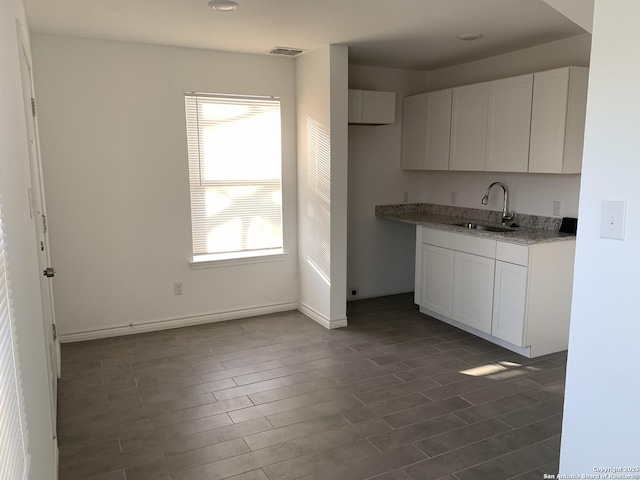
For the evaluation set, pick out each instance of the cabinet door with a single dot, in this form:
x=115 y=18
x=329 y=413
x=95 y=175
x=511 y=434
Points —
x=473 y=290
x=509 y=303
x=413 y=132
x=548 y=121
x=469 y=127
x=509 y=124
x=378 y=108
x=437 y=279
x=438 y=130
x=355 y=106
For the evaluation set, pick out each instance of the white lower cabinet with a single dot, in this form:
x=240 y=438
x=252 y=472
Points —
x=509 y=303
x=518 y=296
x=473 y=290
x=437 y=279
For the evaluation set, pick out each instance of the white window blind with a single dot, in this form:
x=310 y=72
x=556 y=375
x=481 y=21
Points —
x=13 y=459
x=235 y=175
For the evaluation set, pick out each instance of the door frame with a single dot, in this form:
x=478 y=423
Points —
x=38 y=213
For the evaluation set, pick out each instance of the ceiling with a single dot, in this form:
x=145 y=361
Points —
x=414 y=34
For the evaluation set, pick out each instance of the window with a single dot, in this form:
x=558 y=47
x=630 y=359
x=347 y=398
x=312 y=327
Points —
x=235 y=176
x=13 y=458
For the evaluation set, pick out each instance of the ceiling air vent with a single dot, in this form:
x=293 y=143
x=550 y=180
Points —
x=291 y=52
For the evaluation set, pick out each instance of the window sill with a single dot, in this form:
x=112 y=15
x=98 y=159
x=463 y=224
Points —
x=225 y=260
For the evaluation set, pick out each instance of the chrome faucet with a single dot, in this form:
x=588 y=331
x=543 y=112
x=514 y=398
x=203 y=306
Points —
x=507 y=216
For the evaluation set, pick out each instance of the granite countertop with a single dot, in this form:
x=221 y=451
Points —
x=532 y=228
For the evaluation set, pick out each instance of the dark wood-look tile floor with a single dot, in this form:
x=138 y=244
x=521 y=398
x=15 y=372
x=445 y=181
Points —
x=395 y=396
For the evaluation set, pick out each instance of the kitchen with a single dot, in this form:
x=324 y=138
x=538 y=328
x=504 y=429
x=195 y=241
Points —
x=376 y=178
x=435 y=152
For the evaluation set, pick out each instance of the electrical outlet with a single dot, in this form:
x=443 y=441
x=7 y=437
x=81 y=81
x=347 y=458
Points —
x=353 y=292
x=557 y=208
x=405 y=197
x=178 y=288
x=454 y=198
x=613 y=219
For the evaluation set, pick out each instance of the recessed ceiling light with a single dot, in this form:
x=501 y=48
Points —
x=470 y=36
x=223 y=5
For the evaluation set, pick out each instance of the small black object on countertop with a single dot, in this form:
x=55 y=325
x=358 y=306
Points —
x=569 y=225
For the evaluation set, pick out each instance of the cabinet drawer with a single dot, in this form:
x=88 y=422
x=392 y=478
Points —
x=512 y=253
x=459 y=242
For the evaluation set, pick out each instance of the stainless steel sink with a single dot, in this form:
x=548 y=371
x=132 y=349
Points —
x=480 y=226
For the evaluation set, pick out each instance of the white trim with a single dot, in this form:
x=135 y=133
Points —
x=176 y=322
x=321 y=319
x=255 y=257
x=376 y=295
x=27 y=467
x=56 y=459
x=524 y=351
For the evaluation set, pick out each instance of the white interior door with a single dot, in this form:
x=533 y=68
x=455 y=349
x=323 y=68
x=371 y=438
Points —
x=38 y=213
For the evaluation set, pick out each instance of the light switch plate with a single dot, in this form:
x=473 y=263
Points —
x=613 y=219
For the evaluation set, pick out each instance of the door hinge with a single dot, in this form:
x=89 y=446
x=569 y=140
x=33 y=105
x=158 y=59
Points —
x=44 y=223
x=54 y=329
x=33 y=106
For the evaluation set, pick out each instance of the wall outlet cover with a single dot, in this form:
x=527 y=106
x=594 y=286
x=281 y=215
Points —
x=612 y=220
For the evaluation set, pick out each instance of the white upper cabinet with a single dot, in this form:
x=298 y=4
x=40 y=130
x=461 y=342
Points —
x=369 y=107
x=469 y=111
x=355 y=106
x=509 y=124
x=438 y=130
x=530 y=123
x=426 y=127
x=557 y=120
x=414 y=120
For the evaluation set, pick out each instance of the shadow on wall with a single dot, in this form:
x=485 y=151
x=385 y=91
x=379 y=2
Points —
x=318 y=206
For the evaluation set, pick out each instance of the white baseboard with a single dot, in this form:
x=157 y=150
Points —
x=56 y=459
x=321 y=319
x=176 y=322
x=377 y=295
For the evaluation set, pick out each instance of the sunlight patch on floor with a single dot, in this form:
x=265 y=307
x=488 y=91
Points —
x=500 y=371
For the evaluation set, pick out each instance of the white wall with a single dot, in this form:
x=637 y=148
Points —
x=115 y=158
x=578 y=11
x=21 y=245
x=339 y=77
x=569 y=51
x=321 y=199
x=381 y=254
x=602 y=418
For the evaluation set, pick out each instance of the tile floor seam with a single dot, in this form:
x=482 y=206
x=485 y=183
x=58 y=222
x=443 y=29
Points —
x=537 y=420
x=504 y=423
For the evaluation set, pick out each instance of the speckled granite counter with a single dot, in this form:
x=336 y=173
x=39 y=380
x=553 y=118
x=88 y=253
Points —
x=532 y=228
